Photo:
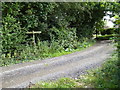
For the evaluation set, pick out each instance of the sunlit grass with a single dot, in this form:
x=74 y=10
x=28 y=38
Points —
x=61 y=83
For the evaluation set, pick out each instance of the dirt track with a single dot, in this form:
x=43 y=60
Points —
x=71 y=65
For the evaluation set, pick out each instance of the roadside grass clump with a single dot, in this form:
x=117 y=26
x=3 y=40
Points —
x=61 y=83
x=106 y=76
x=42 y=50
x=105 y=37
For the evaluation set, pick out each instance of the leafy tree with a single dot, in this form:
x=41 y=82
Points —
x=13 y=36
x=65 y=22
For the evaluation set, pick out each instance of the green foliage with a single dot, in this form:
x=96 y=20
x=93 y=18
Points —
x=106 y=37
x=108 y=31
x=12 y=36
x=61 y=83
x=42 y=50
x=117 y=30
x=65 y=24
x=44 y=16
x=65 y=39
x=106 y=76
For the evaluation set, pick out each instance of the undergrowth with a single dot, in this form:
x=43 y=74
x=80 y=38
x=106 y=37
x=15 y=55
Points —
x=43 y=50
x=105 y=37
x=106 y=76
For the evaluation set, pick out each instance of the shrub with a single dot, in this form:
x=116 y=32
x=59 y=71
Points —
x=108 y=31
x=13 y=36
x=65 y=39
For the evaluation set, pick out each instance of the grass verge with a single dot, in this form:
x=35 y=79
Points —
x=106 y=76
x=105 y=37
x=42 y=51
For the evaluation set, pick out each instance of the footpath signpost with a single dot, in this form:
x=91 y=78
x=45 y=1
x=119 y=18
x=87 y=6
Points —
x=34 y=32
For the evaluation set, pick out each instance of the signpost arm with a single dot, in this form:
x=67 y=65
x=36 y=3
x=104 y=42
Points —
x=34 y=32
x=34 y=38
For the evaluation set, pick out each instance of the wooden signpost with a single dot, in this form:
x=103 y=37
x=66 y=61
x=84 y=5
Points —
x=34 y=32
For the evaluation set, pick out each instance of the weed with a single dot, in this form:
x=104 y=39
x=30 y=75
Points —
x=104 y=77
x=41 y=51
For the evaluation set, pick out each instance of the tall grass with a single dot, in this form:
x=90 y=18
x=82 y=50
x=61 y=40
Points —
x=42 y=50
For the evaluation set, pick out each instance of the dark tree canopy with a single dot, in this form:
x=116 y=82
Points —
x=64 y=22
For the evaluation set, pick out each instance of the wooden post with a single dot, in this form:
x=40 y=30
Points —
x=34 y=38
x=34 y=32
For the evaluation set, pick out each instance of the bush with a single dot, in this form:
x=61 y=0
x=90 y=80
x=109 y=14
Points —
x=53 y=20
x=65 y=39
x=105 y=37
x=43 y=49
x=107 y=31
x=13 y=36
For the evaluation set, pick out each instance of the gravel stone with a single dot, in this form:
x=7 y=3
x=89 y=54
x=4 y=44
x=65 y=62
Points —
x=71 y=65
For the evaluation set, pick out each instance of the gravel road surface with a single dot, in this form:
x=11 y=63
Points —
x=71 y=65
